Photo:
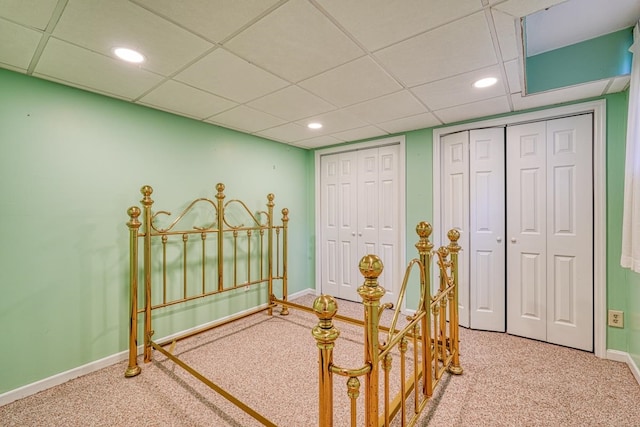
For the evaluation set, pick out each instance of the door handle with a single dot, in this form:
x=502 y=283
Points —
x=513 y=240
x=353 y=234
x=499 y=239
x=360 y=234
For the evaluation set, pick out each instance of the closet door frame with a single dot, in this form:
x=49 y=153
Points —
x=402 y=178
x=598 y=108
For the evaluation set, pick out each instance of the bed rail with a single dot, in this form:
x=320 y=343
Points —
x=435 y=346
x=236 y=248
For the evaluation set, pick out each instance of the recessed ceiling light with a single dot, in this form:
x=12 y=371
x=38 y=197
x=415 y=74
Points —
x=128 y=55
x=314 y=125
x=489 y=81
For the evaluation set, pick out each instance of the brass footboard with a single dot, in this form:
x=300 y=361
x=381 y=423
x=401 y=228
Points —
x=435 y=346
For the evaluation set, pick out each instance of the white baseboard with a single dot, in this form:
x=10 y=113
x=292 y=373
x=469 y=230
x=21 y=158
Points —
x=63 y=377
x=621 y=356
x=308 y=291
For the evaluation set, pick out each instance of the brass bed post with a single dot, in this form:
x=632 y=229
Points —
x=371 y=292
x=425 y=247
x=454 y=248
x=148 y=331
x=325 y=334
x=270 y=205
x=285 y=227
x=220 y=217
x=134 y=224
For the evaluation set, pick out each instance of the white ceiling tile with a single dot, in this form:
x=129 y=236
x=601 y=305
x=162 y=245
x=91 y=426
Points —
x=455 y=48
x=289 y=132
x=32 y=13
x=573 y=93
x=507 y=27
x=474 y=110
x=90 y=70
x=212 y=19
x=246 y=119
x=334 y=121
x=619 y=84
x=296 y=41
x=227 y=75
x=353 y=82
x=291 y=103
x=12 y=68
x=18 y=44
x=514 y=79
x=459 y=89
x=319 y=141
x=520 y=8
x=388 y=107
x=103 y=25
x=178 y=97
x=375 y=22
x=420 y=121
x=360 y=133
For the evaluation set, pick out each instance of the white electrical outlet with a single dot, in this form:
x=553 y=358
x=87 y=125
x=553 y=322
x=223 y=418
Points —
x=616 y=318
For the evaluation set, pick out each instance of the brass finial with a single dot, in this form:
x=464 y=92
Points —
x=220 y=189
x=453 y=236
x=424 y=229
x=146 y=190
x=371 y=267
x=325 y=307
x=285 y=214
x=133 y=212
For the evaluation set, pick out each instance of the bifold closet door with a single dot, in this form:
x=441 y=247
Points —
x=339 y=218
x=359 y=216
x=487 y=229
x=379 y=215
x=550 y=231
x=473 y=202
x=454 y=196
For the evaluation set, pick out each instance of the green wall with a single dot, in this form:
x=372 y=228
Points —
x=623 y=285
x=588 y=61
x=71 y=163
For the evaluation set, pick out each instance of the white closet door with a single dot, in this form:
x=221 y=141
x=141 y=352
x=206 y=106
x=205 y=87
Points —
x=360 y=213
x=569 y=237
x=368 y=202
x=550 y=227
x=330 y=190
x=526 y=230
x=486 y=229
x=388 y=219
x=339 y=224
x=455 y=209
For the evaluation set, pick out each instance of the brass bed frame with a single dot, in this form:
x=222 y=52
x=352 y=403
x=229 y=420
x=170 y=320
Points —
x=431 y=331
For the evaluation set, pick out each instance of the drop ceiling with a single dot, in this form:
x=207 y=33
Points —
x=363 y=68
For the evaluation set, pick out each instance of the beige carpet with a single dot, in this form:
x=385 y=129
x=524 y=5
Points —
x=271 y=364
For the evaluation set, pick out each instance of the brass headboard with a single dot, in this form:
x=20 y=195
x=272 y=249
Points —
x=234 y=248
